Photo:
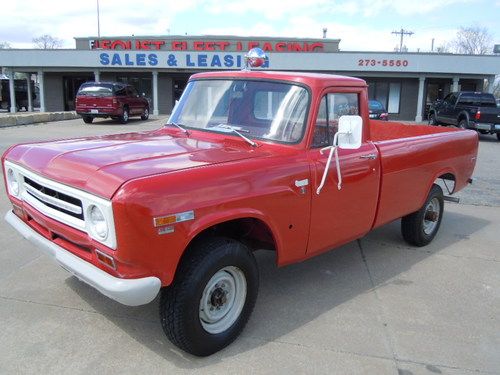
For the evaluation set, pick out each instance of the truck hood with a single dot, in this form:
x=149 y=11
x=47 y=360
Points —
x=100 y=165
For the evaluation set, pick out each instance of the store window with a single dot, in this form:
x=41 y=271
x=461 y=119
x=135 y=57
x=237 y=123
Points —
x=387 y=93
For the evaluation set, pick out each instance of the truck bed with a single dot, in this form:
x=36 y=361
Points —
x=412 y=157
x=390 y=130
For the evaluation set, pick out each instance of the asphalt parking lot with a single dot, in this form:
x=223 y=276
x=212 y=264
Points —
x=374 y=306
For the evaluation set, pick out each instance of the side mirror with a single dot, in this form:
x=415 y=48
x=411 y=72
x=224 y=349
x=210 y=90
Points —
x=350 y=132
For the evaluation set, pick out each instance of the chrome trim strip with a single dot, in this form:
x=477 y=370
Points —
x=53 y=201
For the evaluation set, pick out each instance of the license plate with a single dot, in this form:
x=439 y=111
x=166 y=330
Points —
x=373 y=116
x=94 y=111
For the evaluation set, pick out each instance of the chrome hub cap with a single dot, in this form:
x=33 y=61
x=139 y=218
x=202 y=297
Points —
x=431 y=216
x=125 y=115
x=146 y=113
x=223 y=299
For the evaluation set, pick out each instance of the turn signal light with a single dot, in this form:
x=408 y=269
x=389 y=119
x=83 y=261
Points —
x=105 y=259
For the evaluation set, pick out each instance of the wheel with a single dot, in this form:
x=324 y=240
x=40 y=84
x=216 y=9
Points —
x=212 y=296
x=124 y=117
x=145 y=114
x=88 y=119
x=498 y=136
x=420 y=227
x=432 y=119
x=463 y=124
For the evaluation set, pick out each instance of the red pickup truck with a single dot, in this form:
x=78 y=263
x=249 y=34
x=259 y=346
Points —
x=248 y=160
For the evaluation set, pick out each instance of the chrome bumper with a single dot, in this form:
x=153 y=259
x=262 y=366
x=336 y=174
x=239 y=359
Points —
x=131 y=292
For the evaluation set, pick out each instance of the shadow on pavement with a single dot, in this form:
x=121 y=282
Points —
x=292 y=296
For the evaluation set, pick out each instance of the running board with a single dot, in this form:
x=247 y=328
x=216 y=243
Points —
x=451 y=199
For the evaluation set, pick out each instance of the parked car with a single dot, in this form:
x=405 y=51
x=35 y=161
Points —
x=110 y=99
x=467 y=110
x=248 y=160
x=377 y=110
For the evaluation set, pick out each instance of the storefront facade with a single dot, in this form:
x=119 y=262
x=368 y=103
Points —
x=159 y=67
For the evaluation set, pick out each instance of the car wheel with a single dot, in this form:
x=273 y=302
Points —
x=212 y=296
x=145 y=114
x=420 y=227
x=498 y=136
x=463 y=124
x=125 y=116
x=432 y=119
x=88 y=119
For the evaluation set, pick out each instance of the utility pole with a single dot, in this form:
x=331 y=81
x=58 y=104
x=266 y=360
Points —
x=98 y=22
x=402 y=33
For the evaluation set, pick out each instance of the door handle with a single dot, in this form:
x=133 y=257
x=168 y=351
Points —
x=368 y=156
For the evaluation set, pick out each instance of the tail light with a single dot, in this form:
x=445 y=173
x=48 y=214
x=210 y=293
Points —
x=115 y=101
x=478 y=115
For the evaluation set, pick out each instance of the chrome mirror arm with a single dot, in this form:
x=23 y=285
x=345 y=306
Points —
x=333 y=151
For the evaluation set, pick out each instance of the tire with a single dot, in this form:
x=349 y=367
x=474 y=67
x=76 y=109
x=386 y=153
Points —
x=420 y=227
x=463 y=124
x=432 y=120
x=87 y=119
x=145 y=114
x=498 y=136
x=125 y=116
x=189 y=309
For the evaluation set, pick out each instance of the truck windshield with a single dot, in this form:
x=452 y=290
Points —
x=260 y=109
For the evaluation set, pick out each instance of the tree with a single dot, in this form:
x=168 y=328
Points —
x=473 y=40
x=5 y=45
x=47 y=42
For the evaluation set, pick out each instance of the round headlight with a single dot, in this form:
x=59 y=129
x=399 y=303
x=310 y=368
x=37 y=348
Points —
x=12 y=181
x=98 y=223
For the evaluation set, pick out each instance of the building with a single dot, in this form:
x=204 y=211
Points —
x=159 y=67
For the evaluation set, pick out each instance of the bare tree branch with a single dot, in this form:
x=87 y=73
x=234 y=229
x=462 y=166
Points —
x=473 y=40
x=5 y=45
x=47 y=42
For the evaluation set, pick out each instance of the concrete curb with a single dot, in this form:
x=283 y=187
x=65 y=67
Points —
x=33 y=118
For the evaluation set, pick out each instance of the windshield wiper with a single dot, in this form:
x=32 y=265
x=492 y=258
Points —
x=179 y=126
x=237 y=131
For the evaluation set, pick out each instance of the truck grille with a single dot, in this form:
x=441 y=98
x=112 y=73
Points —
x=54 y=199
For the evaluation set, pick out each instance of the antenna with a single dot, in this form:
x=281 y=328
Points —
x=402 y=33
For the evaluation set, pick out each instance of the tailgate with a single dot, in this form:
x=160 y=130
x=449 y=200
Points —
x=489 y=115
x=94 y=102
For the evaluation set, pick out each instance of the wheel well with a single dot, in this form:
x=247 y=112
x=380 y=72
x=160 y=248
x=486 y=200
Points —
x=462 y=116
x=252 y=232
x=443 y=182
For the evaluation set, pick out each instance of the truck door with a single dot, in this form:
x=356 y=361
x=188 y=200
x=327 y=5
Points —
x=339 y=216
x=446 y=112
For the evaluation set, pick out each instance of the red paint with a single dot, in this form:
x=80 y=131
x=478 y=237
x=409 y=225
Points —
x=206 y=45
x=221 y=177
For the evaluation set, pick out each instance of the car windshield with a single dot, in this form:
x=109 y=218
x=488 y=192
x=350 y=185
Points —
x=260 y=109
x=96 y=90
x=373 y=104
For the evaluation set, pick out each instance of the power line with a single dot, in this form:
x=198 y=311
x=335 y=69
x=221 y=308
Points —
x=402 y=33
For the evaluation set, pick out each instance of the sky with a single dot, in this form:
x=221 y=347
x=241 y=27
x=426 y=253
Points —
x=363 y=25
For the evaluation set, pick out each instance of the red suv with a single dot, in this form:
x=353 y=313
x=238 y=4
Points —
x=110 y=99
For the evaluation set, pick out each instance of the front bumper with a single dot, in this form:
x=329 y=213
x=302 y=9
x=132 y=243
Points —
x=131 y=292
